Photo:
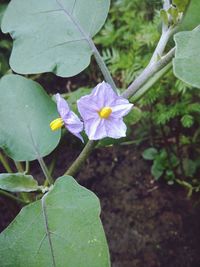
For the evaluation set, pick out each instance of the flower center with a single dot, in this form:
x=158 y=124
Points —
x=105 y=112
x=56 y=124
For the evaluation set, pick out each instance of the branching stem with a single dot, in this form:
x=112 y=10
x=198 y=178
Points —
x=160 y=48
x=148 y=73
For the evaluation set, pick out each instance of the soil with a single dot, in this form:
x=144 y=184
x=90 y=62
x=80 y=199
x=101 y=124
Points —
x=147 y=223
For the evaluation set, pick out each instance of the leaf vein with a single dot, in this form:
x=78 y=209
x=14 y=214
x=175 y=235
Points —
x=44 y=211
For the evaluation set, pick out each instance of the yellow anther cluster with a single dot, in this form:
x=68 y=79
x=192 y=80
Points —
x=56 y=124
x=105 y=112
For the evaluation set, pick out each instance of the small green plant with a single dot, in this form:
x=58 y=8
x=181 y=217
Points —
x=171 y=124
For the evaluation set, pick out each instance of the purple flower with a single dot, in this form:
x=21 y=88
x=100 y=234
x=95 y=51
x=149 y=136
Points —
x=67 y=118
x=103 y=111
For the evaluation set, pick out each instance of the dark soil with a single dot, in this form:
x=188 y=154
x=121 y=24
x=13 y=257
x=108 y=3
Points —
x=148 y=224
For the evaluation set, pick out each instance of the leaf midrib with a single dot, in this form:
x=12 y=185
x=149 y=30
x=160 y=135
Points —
x=48 y=233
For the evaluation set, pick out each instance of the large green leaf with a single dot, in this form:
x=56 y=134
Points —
x=53 y=35
x=192 y=16
x=187 y=59
x=18 y=182
x=2 y=9
x=63 y=230
x=25 y=113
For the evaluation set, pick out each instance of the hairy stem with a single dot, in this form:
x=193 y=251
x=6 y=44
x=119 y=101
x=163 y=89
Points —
x=160 y=48
x=45 y=170
x=27 y=167
x=107 y=76
x=77 y=164
x=148 y=73
x=144 y=89
x=166 y=4
x=5 y=163
x=19 y=166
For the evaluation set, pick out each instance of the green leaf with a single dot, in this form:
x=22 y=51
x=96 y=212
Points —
x=25 y=114
x=187 y=121
x=187 y=58
x=164 y=16
x=157 y=169
x=174 y=14
x=18 y=182
x=53 y=36
x=2 y=10
x=133 y=116
x=190 y=167
x=192 y=17
x=150 y=153
x=181 y=4
x=62 y=229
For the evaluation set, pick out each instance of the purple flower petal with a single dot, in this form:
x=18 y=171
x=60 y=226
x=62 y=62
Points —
x=71 y=120
x=73 y=124
x=97 y=127
x=88 y=108
x=120 y=107
x=104 y=94
x=62 y=106
x=115 y=128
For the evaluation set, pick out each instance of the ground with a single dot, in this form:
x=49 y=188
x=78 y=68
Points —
x=147 y=223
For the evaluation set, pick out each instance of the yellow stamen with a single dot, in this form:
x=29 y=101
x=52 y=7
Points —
x=56 y=124
x=105 y=112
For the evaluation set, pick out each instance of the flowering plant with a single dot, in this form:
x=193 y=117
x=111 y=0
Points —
x=60 y=224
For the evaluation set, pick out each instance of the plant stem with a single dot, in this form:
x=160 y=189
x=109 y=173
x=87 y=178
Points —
x=77 y=164
x=4 y=193
x=166 y=4
x=148 y=72
x=45 y=171
x=5 y=163
x=107 y=76
x=160 y=48
x=144 y=89
x=27 y=167
x=51 y=168
x=19 y=166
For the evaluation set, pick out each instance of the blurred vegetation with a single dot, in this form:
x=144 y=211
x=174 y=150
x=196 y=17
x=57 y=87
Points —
x=169 y=126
